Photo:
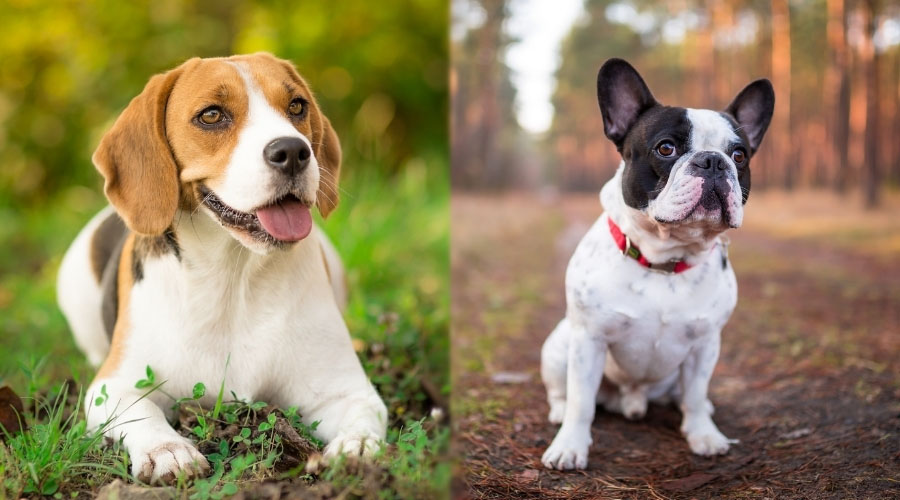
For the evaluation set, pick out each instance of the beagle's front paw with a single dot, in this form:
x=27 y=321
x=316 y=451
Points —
x=165 y=462
x=569 y=450
x=353 y=446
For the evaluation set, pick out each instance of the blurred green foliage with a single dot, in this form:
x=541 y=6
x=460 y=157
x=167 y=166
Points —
x=69 y=66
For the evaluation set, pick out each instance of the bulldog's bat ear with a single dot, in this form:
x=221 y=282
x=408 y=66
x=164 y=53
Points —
x=753 y=108
x=623 y=97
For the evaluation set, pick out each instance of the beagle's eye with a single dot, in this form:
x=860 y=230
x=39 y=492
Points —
x=211 y=115
x=297 y=106
x=666 y=149
x=739 y=156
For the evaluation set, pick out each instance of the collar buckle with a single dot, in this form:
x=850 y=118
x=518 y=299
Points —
x=630 y=250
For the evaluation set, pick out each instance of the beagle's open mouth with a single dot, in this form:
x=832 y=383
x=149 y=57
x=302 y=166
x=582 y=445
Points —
x=286 y=220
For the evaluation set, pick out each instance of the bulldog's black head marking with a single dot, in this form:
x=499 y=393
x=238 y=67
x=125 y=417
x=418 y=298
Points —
x=750 y=114
x=648 y=171
x=752 y=109
x=623 y=97
x=638 y=125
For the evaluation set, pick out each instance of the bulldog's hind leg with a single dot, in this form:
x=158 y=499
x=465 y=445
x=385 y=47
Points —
x=554 y=356
x=629 y=401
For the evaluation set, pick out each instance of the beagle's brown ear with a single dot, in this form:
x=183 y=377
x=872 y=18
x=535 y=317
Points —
x=136 y=161
x=328 y=153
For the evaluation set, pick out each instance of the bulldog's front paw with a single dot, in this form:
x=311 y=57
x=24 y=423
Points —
x=704 y=437
x=353 y=446
x=166 y=461
x=569 y=450
x=713 y=443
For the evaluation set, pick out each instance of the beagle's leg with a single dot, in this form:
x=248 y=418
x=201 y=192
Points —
x=697 y=425
x=362 y=429
x=158 y=454
x=586 y=360
x=119 y=409
x=329 y=386
x=351 y=422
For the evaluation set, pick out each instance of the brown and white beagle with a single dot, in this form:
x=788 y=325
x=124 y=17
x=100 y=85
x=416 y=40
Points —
x=208 y=266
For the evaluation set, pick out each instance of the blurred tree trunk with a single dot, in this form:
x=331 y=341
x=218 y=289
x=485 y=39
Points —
x=781 y=74
x=706 y=60
x=722 y=22
x=870 y=61
x=837 y=88
x=894 y=89
x=835 y=79
x=486 y=64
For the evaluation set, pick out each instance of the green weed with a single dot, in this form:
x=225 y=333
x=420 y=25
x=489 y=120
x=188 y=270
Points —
x=56 y=452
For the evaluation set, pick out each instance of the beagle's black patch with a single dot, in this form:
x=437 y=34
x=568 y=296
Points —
x=152 y=246
x=109 y=283
x=109 y=235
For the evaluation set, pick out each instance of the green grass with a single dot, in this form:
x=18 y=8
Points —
x=393 y=236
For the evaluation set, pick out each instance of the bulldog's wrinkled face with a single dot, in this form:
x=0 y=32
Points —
x=683 y=166
x=245 y=142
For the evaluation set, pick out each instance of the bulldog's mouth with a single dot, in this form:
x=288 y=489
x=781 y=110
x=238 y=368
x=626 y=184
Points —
x=286 y=220
x=710 y=202
x=716 y=205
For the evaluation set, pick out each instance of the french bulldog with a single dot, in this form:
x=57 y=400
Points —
x=650 y=286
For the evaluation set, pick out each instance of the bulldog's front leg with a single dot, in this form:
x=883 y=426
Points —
x=697 y=425
x=158 y=453
x=586 y=359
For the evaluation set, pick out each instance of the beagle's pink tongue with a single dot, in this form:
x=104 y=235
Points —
x=287 y=220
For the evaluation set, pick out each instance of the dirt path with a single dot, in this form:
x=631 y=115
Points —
x=808 y=380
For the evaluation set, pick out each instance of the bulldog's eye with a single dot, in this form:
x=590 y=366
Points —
x=297 y=106
x=739 y=156
x=666 y=149
x=211 y=115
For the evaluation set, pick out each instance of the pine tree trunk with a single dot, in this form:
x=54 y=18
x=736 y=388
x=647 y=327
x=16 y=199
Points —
x=781 y=74
x=870 y=67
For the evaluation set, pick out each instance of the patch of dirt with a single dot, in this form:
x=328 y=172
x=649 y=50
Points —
x=808 y=379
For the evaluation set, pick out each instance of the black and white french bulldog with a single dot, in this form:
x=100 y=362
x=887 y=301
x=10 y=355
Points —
x=650 y=287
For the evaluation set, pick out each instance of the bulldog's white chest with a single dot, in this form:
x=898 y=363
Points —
x=649 y=320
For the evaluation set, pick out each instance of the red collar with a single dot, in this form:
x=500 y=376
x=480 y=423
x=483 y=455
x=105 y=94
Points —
x=624 y=244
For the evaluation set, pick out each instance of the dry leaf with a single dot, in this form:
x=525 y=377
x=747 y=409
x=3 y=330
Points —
x=11 y=411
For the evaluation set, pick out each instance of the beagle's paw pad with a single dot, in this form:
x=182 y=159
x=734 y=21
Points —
x=353 y=446
x=166 y=462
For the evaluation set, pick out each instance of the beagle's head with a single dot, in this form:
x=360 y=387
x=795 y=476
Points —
x=239 y=138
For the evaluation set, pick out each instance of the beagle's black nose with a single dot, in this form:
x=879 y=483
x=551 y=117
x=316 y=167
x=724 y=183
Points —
x=289 y=155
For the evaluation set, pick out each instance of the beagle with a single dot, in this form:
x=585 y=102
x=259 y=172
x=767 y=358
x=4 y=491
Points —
x=208 y=267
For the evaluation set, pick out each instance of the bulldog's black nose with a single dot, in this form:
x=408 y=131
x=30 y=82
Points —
x=289 y=155
x=709 y=164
